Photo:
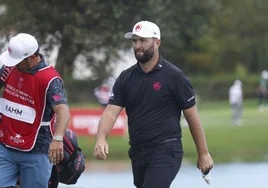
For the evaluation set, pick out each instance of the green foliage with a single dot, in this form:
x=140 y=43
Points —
x=217 y=87
x=242 y=32
x=206 y=87
x=227 y=143
x=80 y=91
x=201 y=37
x=79 y=28
x=86 y=28
x=182 y=26
x=240 y=70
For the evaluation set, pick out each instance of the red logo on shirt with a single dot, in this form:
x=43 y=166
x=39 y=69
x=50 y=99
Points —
x=56 y=97
x=157 y=86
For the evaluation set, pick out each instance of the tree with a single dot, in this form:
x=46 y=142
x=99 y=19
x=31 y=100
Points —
x=80 y=28
x=184 y=23
x=241 y=28
x=83 y=28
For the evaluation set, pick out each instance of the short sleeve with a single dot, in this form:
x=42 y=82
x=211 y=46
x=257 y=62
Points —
x=184 y=92
x=55 y=93
x=117 y=96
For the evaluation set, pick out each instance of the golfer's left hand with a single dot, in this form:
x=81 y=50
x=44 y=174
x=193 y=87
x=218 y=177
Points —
x=56 y=152
x=204 y=162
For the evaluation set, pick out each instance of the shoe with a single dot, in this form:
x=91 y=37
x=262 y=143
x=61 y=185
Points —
x=238 y=123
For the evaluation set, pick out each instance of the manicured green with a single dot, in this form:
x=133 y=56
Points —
x=226 y=142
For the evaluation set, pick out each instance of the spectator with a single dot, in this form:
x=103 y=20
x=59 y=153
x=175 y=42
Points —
x=236 y=101
x=262 y=91
x=103 y=91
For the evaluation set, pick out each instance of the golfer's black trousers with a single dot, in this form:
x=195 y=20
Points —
x=157 y=166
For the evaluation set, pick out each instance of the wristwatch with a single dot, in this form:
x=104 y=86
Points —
x=58 y=138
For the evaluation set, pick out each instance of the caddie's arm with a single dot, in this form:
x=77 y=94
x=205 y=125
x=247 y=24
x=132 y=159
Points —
x=56 y=147
x=58 y=101
x=62 y=119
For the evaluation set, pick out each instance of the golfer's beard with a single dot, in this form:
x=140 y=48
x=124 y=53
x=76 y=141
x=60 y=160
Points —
x=147 y=55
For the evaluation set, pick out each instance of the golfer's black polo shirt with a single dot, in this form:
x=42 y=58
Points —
x=153 y=101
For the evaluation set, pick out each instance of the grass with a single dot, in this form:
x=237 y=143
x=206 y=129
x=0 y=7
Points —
x=227 y=143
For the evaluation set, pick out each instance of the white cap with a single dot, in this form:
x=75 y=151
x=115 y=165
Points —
x=238 y=82
x=19 y=47
x=264 y=74
x=144 y=29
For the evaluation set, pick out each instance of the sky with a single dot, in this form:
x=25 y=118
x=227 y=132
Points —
x=82 y=72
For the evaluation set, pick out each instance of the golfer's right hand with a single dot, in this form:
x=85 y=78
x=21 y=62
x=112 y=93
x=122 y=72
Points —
x=101 y=149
